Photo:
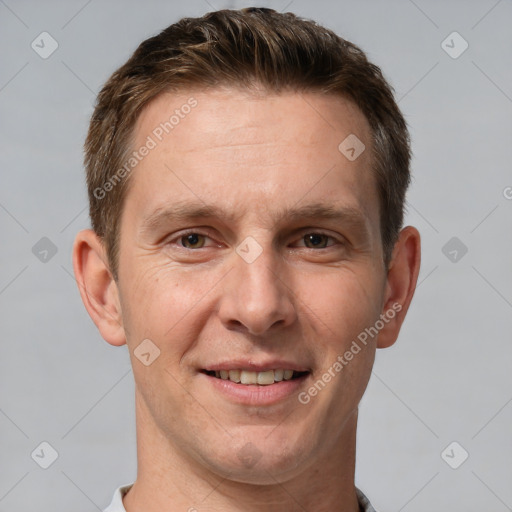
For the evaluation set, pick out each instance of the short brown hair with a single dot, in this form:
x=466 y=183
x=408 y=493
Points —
x=244 y=48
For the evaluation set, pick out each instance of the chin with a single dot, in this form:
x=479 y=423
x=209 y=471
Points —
x=260 y=460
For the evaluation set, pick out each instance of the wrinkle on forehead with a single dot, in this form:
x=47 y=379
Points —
x=226 y=127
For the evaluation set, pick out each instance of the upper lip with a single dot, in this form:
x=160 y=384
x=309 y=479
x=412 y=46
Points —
x=261 y=366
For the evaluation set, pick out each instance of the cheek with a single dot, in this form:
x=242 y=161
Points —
x=165 y=304
x=159 y=306
x=343 y=302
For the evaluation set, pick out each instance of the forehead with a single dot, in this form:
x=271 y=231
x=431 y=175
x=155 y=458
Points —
x=203 y=119
x=253 y=152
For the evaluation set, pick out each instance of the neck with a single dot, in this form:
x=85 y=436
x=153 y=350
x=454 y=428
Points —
x=168 y=479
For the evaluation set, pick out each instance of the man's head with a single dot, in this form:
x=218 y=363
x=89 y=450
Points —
x=252 y=49
x=255 y=238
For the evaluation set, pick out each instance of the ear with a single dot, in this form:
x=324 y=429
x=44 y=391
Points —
x=400 y=284
x=98 y=288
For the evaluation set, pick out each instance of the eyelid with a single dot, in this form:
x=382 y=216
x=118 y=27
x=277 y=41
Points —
x=300 y=234
x=197 y=231
x=312 y=231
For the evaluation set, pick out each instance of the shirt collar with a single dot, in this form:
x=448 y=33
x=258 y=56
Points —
x=117 y=501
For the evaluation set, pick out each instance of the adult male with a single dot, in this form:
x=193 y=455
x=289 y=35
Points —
x=247 y=173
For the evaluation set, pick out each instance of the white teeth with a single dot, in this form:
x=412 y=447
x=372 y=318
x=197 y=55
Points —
x=278 y=375
x=249 y=377
x=234 y=375
x=265 y=378
x=288 y=374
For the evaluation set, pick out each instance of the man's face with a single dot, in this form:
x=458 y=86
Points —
x=256 y=280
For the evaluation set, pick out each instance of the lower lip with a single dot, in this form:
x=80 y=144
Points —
x=252 y=394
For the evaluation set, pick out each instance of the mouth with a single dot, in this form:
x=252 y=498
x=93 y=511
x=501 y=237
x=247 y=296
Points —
x=256 y=378
x=256 y=383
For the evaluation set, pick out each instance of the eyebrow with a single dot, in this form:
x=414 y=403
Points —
x=189 y=211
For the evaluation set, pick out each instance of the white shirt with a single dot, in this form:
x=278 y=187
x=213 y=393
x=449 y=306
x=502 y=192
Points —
x=117 y=500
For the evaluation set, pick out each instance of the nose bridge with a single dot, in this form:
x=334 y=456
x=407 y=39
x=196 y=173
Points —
x=258 y=268
x=255 y=296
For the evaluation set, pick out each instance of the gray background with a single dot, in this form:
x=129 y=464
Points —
x=448 y=378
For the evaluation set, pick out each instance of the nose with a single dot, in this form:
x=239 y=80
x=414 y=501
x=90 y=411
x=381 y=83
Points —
x=256 y=296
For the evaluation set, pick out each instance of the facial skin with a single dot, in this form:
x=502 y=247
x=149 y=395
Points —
x=302 y=301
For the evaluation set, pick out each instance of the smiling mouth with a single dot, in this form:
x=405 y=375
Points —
x=248 y=377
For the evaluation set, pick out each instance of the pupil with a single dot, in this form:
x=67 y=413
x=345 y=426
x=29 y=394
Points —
x=315 y=239
x=192 y=239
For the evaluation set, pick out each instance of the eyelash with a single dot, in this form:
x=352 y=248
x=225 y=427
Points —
x=185 y=233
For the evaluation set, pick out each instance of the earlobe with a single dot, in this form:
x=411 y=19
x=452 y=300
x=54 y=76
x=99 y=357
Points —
x=400 y=284
x=97 y=287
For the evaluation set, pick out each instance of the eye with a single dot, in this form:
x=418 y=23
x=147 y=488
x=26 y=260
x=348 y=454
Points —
x=318 y=240
x=191 y=240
